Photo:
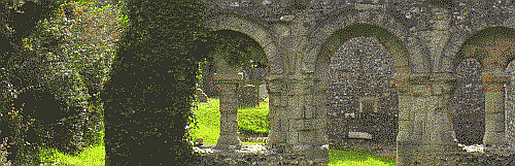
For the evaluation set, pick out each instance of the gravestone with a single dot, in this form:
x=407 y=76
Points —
x=201 y=96
x=248 y=96
x=262 y=92
x=360 y=135
x=207 y=84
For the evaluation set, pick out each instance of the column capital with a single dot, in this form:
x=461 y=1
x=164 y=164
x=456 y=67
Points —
x=424 y=84
x=406 y=79
x=495 y=77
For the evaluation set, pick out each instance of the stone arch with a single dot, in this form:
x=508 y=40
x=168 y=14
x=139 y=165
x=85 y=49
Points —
x=412 y=54
x=349 y=101
x=494 y=48
x=408 y=54
x=227 y=80
x=458 y=37
x=252 y=29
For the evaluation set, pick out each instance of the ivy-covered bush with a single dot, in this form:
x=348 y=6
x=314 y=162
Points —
x=56 y=59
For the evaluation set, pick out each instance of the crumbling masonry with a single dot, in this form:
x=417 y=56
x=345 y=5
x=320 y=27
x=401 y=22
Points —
x=306 y=44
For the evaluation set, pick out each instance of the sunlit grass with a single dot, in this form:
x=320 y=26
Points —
x=208 y=115
x=93 y=155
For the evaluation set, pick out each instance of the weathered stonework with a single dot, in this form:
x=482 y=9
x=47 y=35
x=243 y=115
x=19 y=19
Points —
x=424 y=46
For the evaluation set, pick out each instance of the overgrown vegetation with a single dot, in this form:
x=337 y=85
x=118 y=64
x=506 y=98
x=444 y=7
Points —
x=52 y=58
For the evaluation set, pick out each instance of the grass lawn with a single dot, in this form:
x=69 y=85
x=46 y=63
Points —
x=208 y=115
x=256 y=119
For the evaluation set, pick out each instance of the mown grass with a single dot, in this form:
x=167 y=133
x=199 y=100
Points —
x=208 y=116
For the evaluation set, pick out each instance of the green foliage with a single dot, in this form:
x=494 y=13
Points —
x=238 y=49
x=74 y=66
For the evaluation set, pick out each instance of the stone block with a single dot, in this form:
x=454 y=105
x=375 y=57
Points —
x=360 y=135
x=278 y=100
x=227 y=89
x=406 y=127
x=319 y=99
x=292 y=137
x=406 y=112
x=229 y=99
x=493 y=101
x=497 y=126
x=494 y=138
x=295 y=112
x=308 y=111
x=263 y=92
x=422 y=90
x=276 y=137
x=282 y=113
x=275 y=87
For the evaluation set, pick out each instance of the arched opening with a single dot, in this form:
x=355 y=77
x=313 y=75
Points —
x=493 y=48
x=469 y=104
x=362 y=97
x=249 y=95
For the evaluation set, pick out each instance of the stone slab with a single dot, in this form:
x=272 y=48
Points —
x=361 y=135
x=263 y=91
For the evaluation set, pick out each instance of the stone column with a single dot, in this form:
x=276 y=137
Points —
x=438 y=143
x=408 y=139
x=425 y=127
x=307 y=122
x=227 y=80
x=277 y=113
x=494 y=108
x=510 y=106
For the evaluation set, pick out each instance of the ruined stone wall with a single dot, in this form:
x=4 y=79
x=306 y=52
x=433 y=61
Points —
x=300 y=38
x=362 y=97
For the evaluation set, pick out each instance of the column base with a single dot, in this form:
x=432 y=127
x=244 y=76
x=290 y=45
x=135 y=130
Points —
x=438 y=154
x=228 y=141
x=407 y=152
x=494 y=138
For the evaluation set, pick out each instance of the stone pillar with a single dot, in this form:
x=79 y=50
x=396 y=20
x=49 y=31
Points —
x=510 y=106
x=494 y=108
x=277 y=113
x=307 y=121
x=408 y=139
x=425 y=128
x=227 y=80
x=438 y=143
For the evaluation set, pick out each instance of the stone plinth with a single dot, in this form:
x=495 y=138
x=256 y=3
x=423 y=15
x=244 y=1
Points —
x=251 y=155
x=494 y=109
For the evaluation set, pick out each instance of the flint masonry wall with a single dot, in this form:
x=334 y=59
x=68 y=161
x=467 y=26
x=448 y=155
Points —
x=361 y=96
x=300 y=42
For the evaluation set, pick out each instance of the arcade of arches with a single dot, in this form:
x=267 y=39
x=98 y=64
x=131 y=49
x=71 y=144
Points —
x=424 y=65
